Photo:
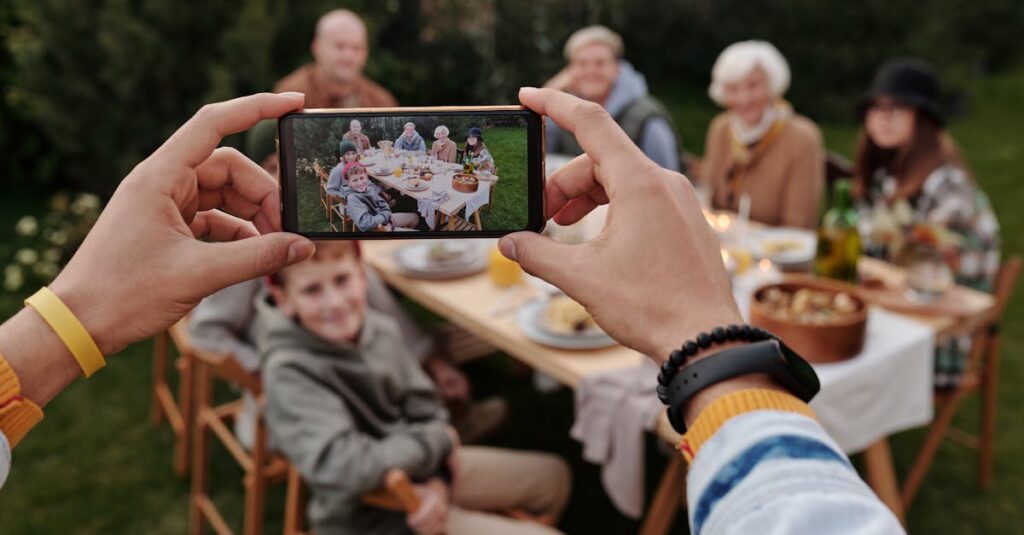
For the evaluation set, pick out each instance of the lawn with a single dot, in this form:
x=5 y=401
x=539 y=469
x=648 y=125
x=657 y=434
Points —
x=507 y=146
x=96 y=465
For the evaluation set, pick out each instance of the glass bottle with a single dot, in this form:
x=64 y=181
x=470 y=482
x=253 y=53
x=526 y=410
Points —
x=838 y=237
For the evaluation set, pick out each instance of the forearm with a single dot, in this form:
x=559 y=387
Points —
x=42 y=363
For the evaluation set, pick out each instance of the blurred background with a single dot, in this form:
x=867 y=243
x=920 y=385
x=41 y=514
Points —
x=89 y=88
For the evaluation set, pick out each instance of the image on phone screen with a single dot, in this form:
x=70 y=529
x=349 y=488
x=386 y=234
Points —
x=410 y=173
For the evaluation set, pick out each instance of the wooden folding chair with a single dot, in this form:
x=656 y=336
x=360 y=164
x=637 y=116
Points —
x=178 y=412
x=981 y=373
x=260 y=467
x=397 y=494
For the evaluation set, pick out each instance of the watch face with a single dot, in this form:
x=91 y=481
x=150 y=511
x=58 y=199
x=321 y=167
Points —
x=800 y=370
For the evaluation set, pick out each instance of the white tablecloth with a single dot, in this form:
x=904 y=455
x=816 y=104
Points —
x=884 y=390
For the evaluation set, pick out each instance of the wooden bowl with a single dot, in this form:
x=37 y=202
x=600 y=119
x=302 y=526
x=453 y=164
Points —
x=472 y=186
x=826 y=342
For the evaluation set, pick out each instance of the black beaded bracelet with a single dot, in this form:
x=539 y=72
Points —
x=704 y=340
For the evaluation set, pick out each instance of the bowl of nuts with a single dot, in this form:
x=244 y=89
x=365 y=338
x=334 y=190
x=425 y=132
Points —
x=821 y=319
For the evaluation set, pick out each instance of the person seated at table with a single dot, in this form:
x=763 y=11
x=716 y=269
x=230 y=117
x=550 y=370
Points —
x=910 y=178
x=443 y=149
x=759 y=146
x=476 y=151
x=598 y=71
x=336 y=183
x=356 y=136
x=346 y=403
x=367 y=206
x=410 y=140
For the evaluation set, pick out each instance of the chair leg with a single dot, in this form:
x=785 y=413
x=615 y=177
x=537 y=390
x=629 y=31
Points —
x=186 y=391
x=989 y=404
x=924 y=459
x=200 y=463
x=293 y=513
x=256 y=484
x=159 y=376
x=665 y=503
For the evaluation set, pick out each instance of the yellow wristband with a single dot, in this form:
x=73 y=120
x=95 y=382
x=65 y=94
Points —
x=69 y=329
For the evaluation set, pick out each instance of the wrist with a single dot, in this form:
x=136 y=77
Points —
x=97 y=322
x=43 y=364
x=670 y=338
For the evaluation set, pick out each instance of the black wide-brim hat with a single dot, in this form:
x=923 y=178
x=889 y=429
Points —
x=908 y=81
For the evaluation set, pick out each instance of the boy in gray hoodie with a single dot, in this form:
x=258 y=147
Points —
x=345 y=403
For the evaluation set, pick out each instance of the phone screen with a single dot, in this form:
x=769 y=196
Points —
x=412 y=172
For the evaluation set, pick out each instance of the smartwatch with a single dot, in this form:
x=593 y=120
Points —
x=770 y=357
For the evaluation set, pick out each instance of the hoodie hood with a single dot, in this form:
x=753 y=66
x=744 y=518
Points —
x=629 y=86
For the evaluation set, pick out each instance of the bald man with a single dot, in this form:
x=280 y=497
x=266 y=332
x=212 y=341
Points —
x=335 y=78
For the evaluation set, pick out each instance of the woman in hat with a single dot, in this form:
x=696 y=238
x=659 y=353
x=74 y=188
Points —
x=336 y=183
x=476 y=151
x=915 y=192
x=758 y=146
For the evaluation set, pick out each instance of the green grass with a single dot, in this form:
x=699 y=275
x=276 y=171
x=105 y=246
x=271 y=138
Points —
x=509 y=211
x=96 y=464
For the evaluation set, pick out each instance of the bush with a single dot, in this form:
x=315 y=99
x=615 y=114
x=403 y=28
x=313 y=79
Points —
x=92 y=87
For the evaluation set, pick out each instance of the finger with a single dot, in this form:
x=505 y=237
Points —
x=579 y=207
x=595 y=130
x=225 y=264
x=574 y=179
x=555 y=262
x=196 y=139
x=215 y=225
x=234 y=183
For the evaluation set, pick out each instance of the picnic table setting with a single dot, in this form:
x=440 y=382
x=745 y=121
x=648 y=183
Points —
x=871 y=346
x=442 y=189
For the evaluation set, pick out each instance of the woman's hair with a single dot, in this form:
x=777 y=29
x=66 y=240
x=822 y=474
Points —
x=739 y=59
x=441 y=128
x=476 y=148
x=930 y=148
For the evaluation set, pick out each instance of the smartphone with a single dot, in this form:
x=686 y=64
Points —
x=409 y=173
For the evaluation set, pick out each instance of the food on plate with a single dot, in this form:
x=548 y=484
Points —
x=426 y=175
x=805 y=305
x=565 y=316
x=443 y=253
x=777 y=247
x=417 y=184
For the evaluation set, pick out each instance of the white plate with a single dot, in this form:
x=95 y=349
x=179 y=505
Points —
x=805 y=243
x=423 y=185
x=531 y=317
x=414 y=259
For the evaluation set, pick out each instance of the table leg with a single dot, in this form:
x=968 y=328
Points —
x=476 y=217
x=451 y=222
x=665 y=504
x=881 y=475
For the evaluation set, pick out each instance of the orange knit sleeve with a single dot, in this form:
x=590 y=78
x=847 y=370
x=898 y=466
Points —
x=18 y=414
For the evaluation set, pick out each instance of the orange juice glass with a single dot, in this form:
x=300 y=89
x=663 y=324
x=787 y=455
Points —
x=503 y=272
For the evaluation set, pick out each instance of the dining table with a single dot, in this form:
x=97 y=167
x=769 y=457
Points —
x=885 y=389
x=437 y=194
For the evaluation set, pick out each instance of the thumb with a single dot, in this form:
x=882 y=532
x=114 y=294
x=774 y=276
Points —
x=233 y=262
x=543 y=257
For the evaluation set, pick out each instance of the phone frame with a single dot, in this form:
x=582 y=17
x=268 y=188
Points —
x=535 y=170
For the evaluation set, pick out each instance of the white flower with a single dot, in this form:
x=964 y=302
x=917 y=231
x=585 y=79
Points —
x=26 y=256
x=14 y=277
x=27 y=226
x=52 y=255
x=46 y=270
x=84 y=203
x=58 y=237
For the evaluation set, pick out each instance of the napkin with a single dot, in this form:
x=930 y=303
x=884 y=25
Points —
x=427 y=206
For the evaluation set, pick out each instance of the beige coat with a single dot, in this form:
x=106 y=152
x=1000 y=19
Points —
x=444 y=150
x=786 y=182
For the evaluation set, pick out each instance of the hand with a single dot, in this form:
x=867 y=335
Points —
x=143 y=266
x=653 y=277
x=451 y=382
x=432 y=516
x=452 y=462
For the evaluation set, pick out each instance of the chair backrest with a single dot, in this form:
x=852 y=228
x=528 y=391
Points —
x=180 y=337
x=226 y=367
x=1006 y=280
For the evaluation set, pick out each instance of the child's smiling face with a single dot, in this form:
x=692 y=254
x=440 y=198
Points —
x=351 y=156
x=357 y=179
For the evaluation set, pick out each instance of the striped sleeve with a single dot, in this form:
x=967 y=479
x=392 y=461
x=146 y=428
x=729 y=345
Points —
x=777 y=471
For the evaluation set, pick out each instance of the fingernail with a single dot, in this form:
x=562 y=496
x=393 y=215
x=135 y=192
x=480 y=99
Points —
x=300 y=250
x=508 y=248
x=292 y=94
x=527 y=89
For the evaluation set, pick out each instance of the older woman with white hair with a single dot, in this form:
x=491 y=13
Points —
x=759 y=146
x=443 y=149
